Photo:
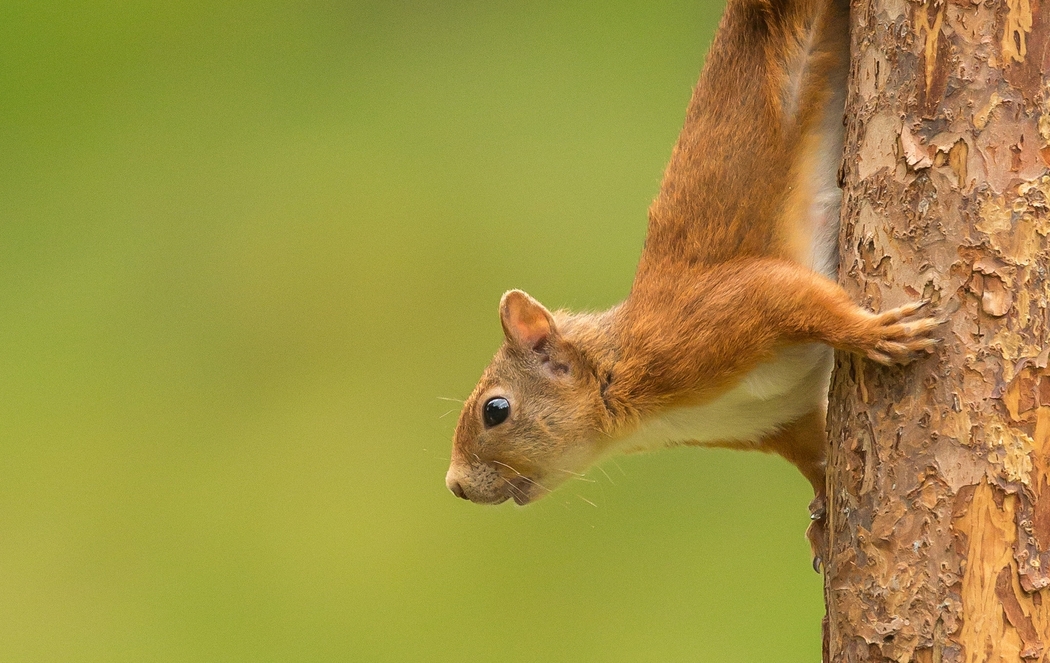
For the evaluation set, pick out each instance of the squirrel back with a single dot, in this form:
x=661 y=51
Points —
x=754 y=171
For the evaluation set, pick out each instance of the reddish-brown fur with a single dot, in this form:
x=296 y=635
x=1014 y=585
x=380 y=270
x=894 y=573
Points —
x=722 y=283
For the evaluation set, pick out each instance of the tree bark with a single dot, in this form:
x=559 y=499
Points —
x=939 y=472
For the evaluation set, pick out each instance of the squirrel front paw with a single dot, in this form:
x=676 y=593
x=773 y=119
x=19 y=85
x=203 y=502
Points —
x=887 y=340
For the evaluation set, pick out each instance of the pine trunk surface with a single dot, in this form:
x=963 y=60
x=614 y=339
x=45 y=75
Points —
x=939 y=472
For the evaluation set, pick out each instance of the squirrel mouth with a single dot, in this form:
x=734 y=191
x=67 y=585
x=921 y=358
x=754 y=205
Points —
x=522 y=489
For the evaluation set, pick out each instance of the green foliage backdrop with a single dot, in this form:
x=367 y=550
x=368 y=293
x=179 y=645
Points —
x=247 y=249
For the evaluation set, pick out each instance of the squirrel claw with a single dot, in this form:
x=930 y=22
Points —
x=890 y=340
x=817 y=531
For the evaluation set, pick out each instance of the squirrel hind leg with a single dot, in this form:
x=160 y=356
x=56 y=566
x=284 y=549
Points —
x=804 y=444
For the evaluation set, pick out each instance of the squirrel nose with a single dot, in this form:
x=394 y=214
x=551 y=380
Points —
x=456 y=472
x=457 y=489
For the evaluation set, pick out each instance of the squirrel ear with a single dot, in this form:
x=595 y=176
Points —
x=525 y=321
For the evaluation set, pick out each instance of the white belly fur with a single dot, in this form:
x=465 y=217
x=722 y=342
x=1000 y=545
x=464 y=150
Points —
x=771 y=396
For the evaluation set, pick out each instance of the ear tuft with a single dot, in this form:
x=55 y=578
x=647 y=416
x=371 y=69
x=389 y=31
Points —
x=525 y=321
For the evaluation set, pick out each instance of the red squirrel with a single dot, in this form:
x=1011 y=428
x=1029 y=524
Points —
x=726 y=337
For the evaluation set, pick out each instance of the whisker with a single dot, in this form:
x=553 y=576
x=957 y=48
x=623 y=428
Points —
x=506 y=466
x=453 y=400
x=446 y=414
x=575 y=474
x=587 y=501
x=618 y=466
x=536 y=483
x=529 y=479
x=606 y=475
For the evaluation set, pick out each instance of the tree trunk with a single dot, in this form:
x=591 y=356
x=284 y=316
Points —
x=939 y=472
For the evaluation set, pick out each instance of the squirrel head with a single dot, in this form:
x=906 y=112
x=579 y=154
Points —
x=536 y=416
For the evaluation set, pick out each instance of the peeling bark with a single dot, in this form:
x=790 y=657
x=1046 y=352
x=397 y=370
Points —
x=939 y=472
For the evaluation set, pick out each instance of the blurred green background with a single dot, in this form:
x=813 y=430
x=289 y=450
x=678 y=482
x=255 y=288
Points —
x=249 y=250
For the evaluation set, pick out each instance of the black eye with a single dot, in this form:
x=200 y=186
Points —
x=496 y=411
